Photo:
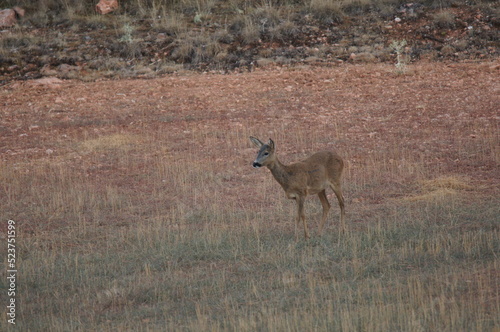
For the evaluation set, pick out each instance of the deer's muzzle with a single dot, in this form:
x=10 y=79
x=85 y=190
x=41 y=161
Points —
x=256 y=165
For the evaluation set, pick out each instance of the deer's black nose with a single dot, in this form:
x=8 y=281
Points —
x=256 y=164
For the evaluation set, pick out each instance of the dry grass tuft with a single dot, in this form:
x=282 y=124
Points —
x=440 y=189
x=439 y=194
x=327 y=11
x=444 y=19
x=195 y=48
x=447 y=182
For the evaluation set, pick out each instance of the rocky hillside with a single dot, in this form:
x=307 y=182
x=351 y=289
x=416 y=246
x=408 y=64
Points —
x=146 y=38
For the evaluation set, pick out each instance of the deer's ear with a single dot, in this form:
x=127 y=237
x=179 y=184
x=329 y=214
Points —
x=271 y=143
x=256 y=141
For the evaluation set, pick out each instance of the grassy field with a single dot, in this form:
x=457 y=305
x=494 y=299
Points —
x=127 y=229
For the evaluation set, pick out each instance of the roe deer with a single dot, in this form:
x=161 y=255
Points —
x=307 y=177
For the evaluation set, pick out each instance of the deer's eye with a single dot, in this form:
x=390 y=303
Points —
x=266 y=153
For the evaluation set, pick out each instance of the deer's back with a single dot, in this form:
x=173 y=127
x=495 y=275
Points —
x=328 y=159
x=318 y=171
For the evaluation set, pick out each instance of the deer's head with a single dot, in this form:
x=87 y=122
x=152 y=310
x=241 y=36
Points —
x=265 y=156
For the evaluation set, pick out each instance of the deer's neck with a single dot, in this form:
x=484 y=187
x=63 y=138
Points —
x=280 y=172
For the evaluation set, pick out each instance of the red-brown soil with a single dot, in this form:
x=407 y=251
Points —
x=442 y=117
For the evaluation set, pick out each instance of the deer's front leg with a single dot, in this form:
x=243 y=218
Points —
x=301 y=214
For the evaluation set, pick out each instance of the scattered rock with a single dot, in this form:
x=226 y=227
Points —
x=7 y=18
x=106 y=6
x=161 y=37
x=19 y=11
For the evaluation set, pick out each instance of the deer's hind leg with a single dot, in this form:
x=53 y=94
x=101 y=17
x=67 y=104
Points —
x=326 y=208
x=337 y=189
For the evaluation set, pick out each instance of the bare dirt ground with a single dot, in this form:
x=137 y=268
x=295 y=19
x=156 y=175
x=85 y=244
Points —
x=440 y=118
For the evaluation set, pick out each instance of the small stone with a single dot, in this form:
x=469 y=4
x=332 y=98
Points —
x=7 y=18
x=106 y=6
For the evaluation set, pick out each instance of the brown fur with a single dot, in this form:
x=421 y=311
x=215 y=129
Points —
x=307 y=177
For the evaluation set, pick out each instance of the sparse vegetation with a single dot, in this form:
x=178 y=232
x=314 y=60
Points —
x=290 y=30
x=444 y=19
x=127 y=31
x=401 y=61
x=327 y=11
x=250 y=33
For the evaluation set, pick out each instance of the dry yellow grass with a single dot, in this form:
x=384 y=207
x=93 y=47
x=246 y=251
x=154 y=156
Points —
x=204 y=264
x=441 y=188
x=447 y=182
x=432 y=195
x=121 y=142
